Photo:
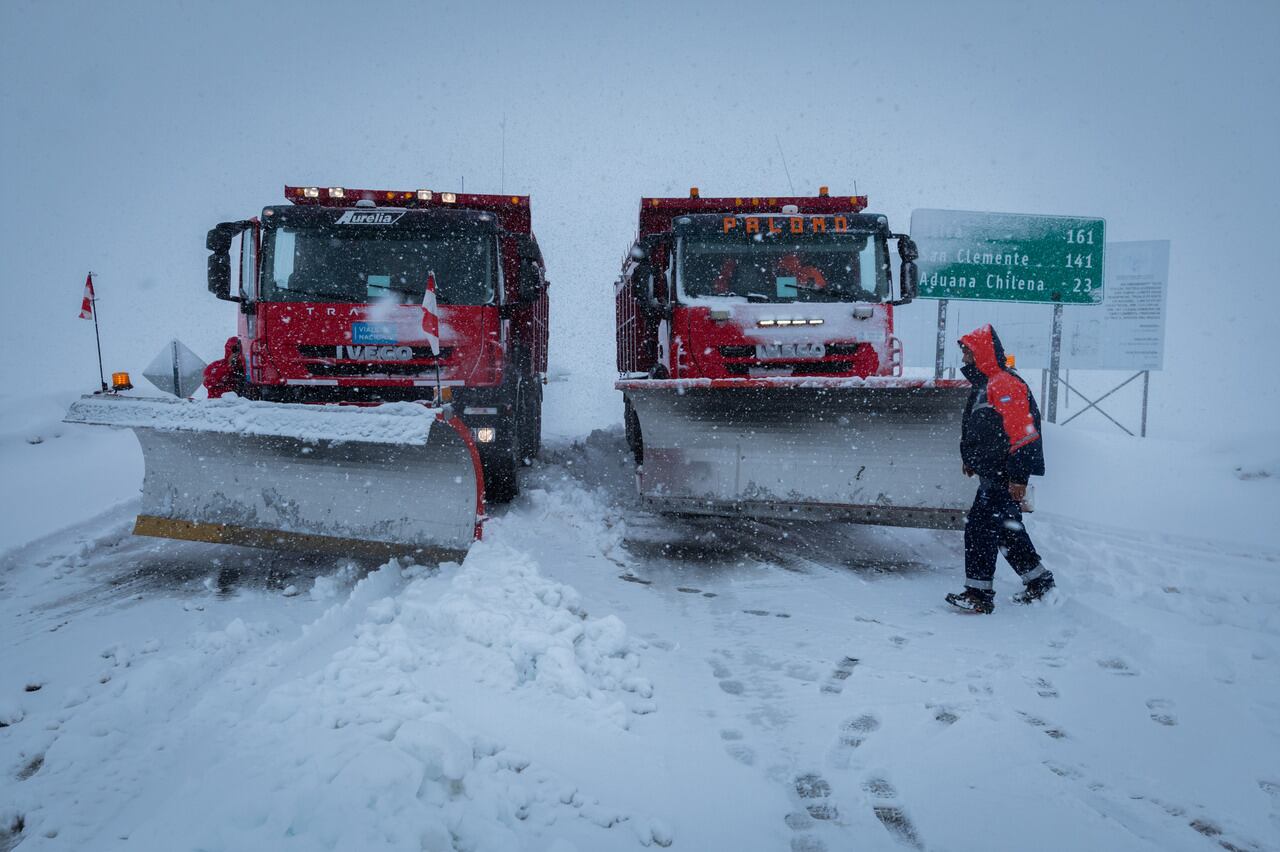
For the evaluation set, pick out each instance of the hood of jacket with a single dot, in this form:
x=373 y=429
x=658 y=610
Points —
x=988 y=353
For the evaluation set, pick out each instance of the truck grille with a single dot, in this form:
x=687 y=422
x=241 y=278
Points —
x=420 y=353
x=837 y=361
x=371 y=368
x=840 y=350
x=796 y=368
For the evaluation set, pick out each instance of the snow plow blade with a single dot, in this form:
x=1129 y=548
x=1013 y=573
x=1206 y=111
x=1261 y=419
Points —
x=391 y=480
x=875 y=451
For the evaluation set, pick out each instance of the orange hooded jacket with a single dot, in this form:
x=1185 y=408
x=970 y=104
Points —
x=1001 y=432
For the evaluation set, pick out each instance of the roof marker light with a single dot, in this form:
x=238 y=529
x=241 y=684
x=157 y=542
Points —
x=790 y=208
x=311 y=191
x=424 y=195
x=448 y=197
x=823 y=192
x=336 y=192
x=816 y=322
x=765 y=323
x=693 y=192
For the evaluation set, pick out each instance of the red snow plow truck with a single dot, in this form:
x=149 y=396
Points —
x=760 y=373
x=387 y=376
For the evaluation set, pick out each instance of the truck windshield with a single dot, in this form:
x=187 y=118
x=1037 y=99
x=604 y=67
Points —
x=846 y=267
x=375 y=264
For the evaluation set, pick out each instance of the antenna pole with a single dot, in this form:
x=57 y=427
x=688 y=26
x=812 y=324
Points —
x=102 y=380
x=778 y=139
x=502 y=181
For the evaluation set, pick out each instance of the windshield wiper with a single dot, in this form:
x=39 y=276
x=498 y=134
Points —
x=319 y=295
x=750 y=297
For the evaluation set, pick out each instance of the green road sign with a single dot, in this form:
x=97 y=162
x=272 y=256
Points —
x=1009 y=257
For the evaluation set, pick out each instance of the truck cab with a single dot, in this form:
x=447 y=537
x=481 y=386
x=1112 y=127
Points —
x=729 y=288
x=331 y=289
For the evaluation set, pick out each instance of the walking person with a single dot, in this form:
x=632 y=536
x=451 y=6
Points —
x=1000 y=443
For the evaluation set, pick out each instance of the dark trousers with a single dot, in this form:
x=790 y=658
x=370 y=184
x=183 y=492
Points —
x=994 y=525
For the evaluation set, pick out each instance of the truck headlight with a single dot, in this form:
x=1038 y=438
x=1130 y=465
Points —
x=486 y=434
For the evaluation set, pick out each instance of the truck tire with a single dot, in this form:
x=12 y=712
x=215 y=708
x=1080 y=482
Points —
x=531 y=423
x=632 y=424
x=502 y=466
x=501 y=483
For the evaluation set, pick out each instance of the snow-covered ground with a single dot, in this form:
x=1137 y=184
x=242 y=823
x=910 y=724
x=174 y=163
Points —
x=595 y=678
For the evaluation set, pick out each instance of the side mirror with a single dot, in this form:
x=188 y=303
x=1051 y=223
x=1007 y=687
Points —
x=220 y=275
x=529 y=286
x=908 y=272
x=909 y=282
x=218 y=242
x=639 y=253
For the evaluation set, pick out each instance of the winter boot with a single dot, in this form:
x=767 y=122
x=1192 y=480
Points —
x=1035 y=590
x=973 y=600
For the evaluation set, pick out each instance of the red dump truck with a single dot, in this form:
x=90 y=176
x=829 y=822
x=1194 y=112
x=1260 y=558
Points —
x=760 y=372
x=332 y=290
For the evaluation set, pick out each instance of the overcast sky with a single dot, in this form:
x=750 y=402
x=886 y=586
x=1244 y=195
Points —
x=131 y=128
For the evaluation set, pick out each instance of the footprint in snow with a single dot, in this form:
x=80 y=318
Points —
x=1117 y=666
x=1044 y=688
x=815 y=795
x=1062 y=771
x=835 y=683
x=1062 y=639
x=736 y=748
x=724 y=676
x=31 y=767
x=943 y=714
x=1162 y=712
x=1036 y=722
x=765 y=612
x=853 y=733
x=1212 y=830
x=890 y=813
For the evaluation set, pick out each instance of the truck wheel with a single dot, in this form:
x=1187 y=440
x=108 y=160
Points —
x=501 y=484
x=531 y=423
x=501 y=480
x=632 y=423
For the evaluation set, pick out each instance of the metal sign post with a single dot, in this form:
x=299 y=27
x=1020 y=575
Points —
x=940 y=354
x=1055 y=362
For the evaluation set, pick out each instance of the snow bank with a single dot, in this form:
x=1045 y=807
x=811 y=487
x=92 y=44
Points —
x=403 y=717
x=392 y=423
x=534 y=631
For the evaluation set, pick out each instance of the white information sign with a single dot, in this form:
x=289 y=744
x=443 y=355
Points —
x=1126 y=332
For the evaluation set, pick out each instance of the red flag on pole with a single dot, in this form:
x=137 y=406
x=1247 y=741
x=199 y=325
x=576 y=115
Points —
x=431 y=315
x=86 y=304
